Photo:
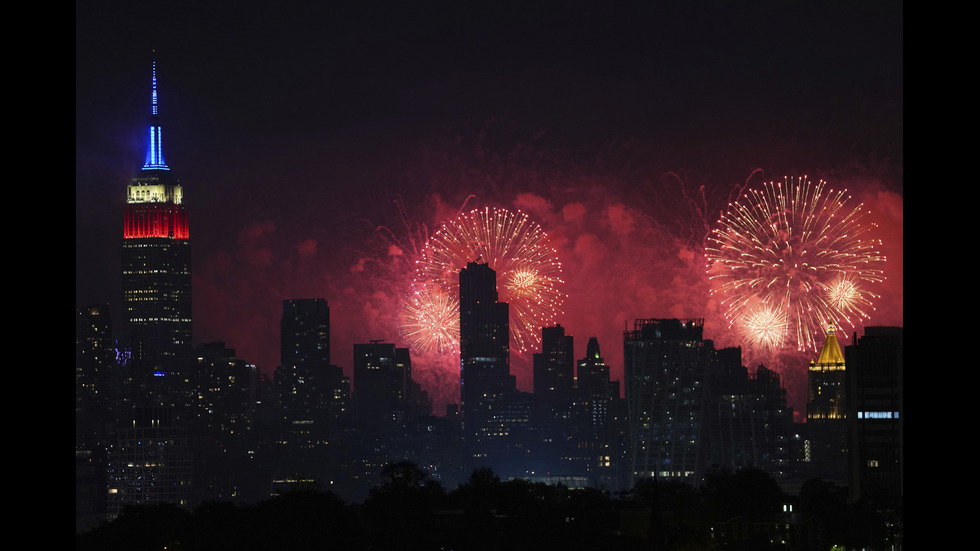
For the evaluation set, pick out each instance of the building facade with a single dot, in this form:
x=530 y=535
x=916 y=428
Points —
x=666 y=366
x=554 y=366
x=384 y=392
x=555 y=405
x=314 y=394
x=875 y=413
x=151 y=461
x=95 y=358
x=747 y=421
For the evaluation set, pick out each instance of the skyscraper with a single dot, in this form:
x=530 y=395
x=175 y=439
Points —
x=560 y=443
x=596 y=391
x=666 y=367
x=875 y=413
x=746 y=422
x=826 y=411
x=226 y=387
x=150 y=456
x=150 y=462
x=604 y=425
x=314 y=394
x=94 y=361
x=486 y=385
x=825 y=383
x=94 y=365
x=554 y=367
x=383 y=386
x=156 y=268
x=484 y=339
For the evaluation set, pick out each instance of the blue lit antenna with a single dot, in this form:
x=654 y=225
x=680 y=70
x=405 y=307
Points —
x=154 y=150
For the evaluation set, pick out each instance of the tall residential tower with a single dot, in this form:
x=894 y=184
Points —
x=314 y=394
x=667 y=363
x=488 y=391
x=875 y=413
x=156 y=266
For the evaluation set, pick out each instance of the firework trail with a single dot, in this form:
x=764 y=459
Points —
x=528 y=278
x=791 y=258
x=699 y=205
x=415 y=234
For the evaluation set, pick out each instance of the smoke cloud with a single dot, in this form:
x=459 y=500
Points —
x=629 y=229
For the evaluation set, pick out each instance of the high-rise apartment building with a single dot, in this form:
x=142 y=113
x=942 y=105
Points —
x=595 y=391
x=486 y=385
x=875 y=413
x=384 y=392
x=95 y=357
x=747 y=422
x=151 y=461
x=314 y=394
x=604 y=426
x=554 y=366
x=156 y=269
x=484 y=341
x=226 y=390
x=666 y=365
x=94 y=369
x=556 y=419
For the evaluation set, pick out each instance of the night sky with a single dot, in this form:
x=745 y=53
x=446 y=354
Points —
x=319 y=144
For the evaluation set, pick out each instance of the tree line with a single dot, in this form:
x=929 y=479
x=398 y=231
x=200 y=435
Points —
x=409 y=510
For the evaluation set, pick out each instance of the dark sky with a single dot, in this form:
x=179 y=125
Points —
x=298 y=130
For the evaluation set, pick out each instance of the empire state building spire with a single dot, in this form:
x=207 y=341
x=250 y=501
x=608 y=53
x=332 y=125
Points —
x=155 y=199
x=154 y=149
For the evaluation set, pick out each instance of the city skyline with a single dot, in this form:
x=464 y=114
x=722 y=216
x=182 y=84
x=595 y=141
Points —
x=313 y=160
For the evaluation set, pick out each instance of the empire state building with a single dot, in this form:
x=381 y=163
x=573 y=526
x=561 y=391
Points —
x=156 y=265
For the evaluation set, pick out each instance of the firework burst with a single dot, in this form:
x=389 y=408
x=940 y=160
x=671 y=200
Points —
x=528 y=278
x=765 y=326
x=793 y=258
x=430 y=319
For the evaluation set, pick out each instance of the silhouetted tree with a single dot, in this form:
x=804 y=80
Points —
x=749 y=493
x=825 y=504
x=138 y=527
x=677 y=516
x=219 y=524
x=400 y=511
x=478 y=498
x=306 y=520
x=876 y=521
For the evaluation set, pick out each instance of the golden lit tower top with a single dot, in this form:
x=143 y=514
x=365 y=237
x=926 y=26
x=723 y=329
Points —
x=831 y=356
x=825 y=382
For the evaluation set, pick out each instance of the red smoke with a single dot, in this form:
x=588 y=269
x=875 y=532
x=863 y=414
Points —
x=629 y=238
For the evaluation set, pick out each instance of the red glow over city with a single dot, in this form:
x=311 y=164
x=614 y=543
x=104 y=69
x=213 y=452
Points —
x=694 y=212
x=318 y=165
